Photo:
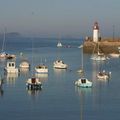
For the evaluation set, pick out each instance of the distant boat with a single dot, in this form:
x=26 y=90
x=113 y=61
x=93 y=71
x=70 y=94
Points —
x=11 y=68
x=59 y=44
x=103 y=75
x=60 y=64
x=99 y=56
x=3 y=54
x=83 y=82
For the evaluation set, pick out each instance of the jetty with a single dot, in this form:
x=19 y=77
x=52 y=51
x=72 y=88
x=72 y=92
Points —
x=106 y=46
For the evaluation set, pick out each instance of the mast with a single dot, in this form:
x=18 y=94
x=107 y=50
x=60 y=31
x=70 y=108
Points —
x=3 y=44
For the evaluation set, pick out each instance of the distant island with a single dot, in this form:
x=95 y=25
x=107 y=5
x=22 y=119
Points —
x=11 y=34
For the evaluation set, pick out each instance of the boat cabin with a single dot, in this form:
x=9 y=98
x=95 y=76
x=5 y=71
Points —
x=11 y=67
x=83 y=80
x=10 y=64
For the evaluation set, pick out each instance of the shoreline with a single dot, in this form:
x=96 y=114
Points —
x=105 y=46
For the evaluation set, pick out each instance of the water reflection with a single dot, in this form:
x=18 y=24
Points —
x=11 y=78
x=1 y=91
x=24 y=70
x=83 y=93
x=59 y=71
x=33 y=93
x=42 y=77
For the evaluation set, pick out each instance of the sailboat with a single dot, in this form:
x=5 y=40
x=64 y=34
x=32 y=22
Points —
x=83 y=81
x=99 y=56
x=33 y=83
x=59 y=64
x=59 y=44
x=4 y=55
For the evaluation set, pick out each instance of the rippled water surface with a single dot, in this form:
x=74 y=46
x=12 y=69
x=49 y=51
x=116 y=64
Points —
x=59 y=99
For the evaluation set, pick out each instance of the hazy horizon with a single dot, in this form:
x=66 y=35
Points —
x=60 y=18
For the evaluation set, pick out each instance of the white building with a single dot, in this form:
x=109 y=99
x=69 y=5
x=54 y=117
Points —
x=96 y=32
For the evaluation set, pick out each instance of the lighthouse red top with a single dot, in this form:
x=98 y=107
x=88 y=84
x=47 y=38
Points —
x=96 y=27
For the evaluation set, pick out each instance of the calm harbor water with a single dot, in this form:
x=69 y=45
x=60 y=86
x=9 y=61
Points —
x=59 y=99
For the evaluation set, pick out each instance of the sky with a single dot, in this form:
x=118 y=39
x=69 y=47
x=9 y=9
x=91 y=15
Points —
x=60 y=18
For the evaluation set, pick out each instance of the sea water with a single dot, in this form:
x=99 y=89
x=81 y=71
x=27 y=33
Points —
x=59 y=98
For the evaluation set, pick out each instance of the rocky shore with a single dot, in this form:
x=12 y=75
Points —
x=106 y=46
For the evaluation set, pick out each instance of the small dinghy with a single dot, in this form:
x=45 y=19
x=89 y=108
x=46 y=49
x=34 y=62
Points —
x=33 y=84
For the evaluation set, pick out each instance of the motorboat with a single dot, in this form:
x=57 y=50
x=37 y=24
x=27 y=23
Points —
x=11 y=67
x=3 y=55
x=60 y=64
x=41 y=69
x=103 y=75
x=10 y=56
x=33 y=83
x=83 y=82
x=24 y=64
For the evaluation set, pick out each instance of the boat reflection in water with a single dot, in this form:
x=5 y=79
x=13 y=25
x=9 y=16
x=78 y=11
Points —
x=11 y=78
x=24 y=70
x=1 y=84
x=33 y=92
x=42 y=77
x=1 y=92
x=84 y=94
x=59 y=71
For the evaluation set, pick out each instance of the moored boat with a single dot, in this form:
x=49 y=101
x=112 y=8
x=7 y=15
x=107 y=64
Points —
x=83 y=82
x=11 y=68
x=103 y=75
x=41 y=69
x=33 y=83
x=24 y=64
x=60 y=64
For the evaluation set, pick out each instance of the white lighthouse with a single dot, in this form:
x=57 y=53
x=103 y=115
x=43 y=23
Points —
x=95 y=32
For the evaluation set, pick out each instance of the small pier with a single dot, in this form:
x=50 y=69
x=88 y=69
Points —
x=105 y=46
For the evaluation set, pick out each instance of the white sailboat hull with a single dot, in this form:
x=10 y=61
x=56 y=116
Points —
x=83 y=82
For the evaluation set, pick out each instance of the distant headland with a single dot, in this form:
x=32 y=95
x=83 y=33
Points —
x=11 y=34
